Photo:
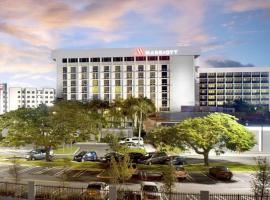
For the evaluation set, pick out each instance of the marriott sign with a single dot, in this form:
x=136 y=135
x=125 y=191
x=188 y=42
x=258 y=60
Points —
x=161 y=52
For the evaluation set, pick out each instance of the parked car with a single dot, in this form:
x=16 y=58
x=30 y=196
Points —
x=154 y=158
x=176 y=160
x=97 y=190
x=89 y=156
x=135 y=156
x=180 y=173
x=38 y=154
x=78 y=157
x=149 y=190
x=221 y=172
x=117 y=156
x=133 y=145
x=134 y=140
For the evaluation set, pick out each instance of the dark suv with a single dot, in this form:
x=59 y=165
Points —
x=154 y=158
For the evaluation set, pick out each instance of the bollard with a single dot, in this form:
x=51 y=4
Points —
x=31 y=190
x=204 y=195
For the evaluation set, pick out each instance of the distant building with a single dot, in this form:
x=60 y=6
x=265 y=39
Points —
x=3 y=98
x=165 y=75
x=220 y=86
x=29 y=97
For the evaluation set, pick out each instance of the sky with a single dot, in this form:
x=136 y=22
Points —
x=230 y=33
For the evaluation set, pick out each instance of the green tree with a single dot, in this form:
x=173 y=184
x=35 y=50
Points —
x=169 y=180
x=49 y=127
x=260 y=183
x=242 y=106
x=216 y=131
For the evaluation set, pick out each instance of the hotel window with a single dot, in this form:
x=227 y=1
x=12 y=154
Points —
x=84 y=83
x=140 y=82
x=164 y=82
x=117 y=75
x=64 y=69
x=73 y=89
x=255 y=74
x=164 y=96
x=84 y=96
x=129 y=74
x=106 y=82
x=106 y=75
x=229 y=74
x=237 y=86
x=95 y=76
x=117 y=83
x=140 y=75
x=152 y=89
x=64 y=76
x=73 y=69
x=211 y=91
x=106 y=59
x=106 y=68
x=140 y=68
x=152 y=74
x=164 y=89
x=72 y=76
x=129 y=89
x=164 y=103
x=64 y=90
x=95 y=68
x=84 y=69
x=152 y=58
x=95 y=59
x=211 y=86
x=72 y=97
x=84 y=59
x=117 y=68
x=84 y=89
x=117 y=59
x=95 y=82
x=246 y=74
x=164 y=68
x=264 y=74
x=84 y=75
x=152 y=67
x=237 y=74
x=164 y=74
x=129 y=58
x=129 y=82
x=73 y=83
x=153 y=97
x=152 y=81
x=220 y=75
x=64 y=60
x=246 y=86
x=106 y=89
x=106 y=97
x=164 y=57
x=141 y=58
x=73 y=60
x=141 y=90
x=246 y=79
x=129 y=68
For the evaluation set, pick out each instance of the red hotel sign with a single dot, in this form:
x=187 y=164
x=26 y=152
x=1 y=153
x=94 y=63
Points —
x=156 y=52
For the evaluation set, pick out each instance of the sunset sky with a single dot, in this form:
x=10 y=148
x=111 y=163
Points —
x=229 y=32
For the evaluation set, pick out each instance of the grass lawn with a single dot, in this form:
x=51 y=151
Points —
x=66 y=150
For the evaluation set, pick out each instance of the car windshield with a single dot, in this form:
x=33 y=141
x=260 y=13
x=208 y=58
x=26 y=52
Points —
x=94 y=187
x=222 y=168
x=81 y=153
x=150 y=188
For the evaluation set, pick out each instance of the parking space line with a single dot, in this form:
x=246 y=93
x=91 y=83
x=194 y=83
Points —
x=211 y=177
x=26 y=169
x=62 y=171
x=43 y=170
x=79 y=173
x=190 y=178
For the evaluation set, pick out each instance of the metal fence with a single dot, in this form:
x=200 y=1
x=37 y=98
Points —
x=43 y=192
x=13 y=190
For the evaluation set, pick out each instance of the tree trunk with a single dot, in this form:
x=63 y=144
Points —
x=140 y=126
x=206 y=158
x=47 y=156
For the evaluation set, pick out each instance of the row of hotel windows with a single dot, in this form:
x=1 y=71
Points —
x=237 y=91
x=236 y=80
x=33 y=92
x=222 y=103
x=46 y=97
x=129 y=68
x=231 y=97
x=116 y=59
x=234 y=74
x=28 y=101
x=235 y=86
x=117 y=75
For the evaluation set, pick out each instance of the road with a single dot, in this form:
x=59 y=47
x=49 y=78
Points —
x=79 y=178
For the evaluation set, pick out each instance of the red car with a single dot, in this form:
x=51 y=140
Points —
x=221 y=172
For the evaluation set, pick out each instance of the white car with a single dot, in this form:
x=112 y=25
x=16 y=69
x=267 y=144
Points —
x=132 y=145
x=149 y=190
x=134 y=140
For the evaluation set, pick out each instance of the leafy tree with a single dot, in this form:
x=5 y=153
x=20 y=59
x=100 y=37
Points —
x=49 y=127
x=216 y=131
x=260 y=183
x=242 y=106
x=169 y=180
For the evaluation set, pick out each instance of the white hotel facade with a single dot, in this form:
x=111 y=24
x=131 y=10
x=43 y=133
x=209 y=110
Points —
x=164 y=75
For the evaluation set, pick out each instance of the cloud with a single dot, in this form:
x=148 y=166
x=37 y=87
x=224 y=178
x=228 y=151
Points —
x=247 y=5
x=227 y=63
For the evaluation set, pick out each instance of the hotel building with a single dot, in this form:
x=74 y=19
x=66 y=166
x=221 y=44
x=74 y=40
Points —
x=3 y=98
x=164 y=75
x=29 y=97
x=219 y=86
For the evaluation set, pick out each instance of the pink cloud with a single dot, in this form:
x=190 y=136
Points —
x=247 y=5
